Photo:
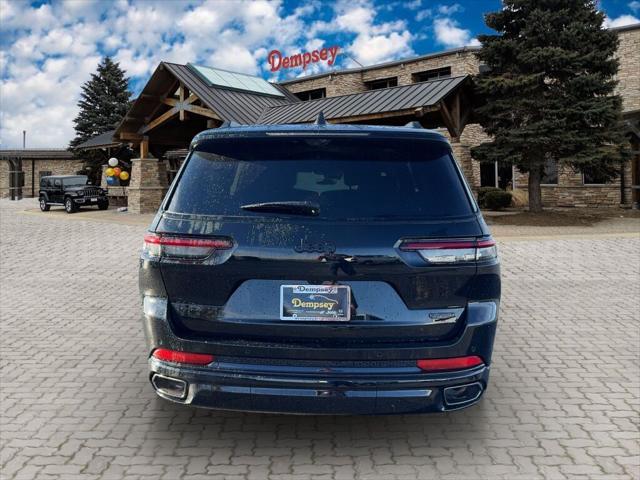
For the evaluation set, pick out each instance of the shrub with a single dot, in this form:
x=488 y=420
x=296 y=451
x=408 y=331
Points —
x=497 y=200
x=482 y=192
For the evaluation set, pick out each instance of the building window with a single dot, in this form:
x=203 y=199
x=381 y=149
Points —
x=434 y=74
x=312 y=94
x=550 y=172
x=382 y=83
x=45 y=173
x=592 y=176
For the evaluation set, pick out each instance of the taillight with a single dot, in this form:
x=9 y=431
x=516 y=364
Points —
x=158 y=246
x=454 y=363
x=176 y=356
x=452 y=251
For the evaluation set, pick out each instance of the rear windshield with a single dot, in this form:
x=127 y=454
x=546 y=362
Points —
x=347 y=177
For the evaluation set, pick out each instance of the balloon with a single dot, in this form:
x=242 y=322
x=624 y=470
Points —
x=109 y=172
x=111 y=180
x=116 y=171
x=113 y=162
x=124 y=175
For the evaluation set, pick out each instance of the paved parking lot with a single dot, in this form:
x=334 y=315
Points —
x=564 y=398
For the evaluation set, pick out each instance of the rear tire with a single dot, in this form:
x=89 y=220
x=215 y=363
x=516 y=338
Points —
x=103 y=204
x=43 y=205
x=70 y=206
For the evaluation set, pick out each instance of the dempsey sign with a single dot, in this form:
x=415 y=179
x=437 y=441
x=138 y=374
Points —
x=277 y=60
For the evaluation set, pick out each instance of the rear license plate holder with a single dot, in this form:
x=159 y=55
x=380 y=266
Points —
x=317 y=303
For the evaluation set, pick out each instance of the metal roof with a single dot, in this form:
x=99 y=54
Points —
x=232 y=105
x=38 y=154
x=103 y=140
x=405 y=97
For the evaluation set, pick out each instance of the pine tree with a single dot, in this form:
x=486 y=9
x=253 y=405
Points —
x=104 y=101
x=548 y=92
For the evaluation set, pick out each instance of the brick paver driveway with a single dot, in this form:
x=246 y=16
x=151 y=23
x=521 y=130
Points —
x=563 y=400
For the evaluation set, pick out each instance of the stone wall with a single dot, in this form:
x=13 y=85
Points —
x=4 y=178
x=462 y=62
x=56 y=167
x=148 y=185
x=572 y=192
x=629 y=71
x=335 y=85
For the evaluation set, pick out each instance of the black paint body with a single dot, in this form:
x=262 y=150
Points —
x=229 y=307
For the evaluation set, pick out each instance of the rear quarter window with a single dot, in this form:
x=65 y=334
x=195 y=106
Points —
x=347 y=177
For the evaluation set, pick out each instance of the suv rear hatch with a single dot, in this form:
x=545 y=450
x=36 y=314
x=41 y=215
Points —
x=250 y=214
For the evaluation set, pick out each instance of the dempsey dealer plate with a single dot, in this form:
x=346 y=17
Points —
x=315 y=303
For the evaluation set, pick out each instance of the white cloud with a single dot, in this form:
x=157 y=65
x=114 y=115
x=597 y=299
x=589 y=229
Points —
x=450 y=9
x=424 y=14
x=375 y=41
x=449 y=34
x=635 y=6
x=49 y=50
x=621 y=21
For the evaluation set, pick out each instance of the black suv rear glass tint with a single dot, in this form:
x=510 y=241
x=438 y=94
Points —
x=348 y=177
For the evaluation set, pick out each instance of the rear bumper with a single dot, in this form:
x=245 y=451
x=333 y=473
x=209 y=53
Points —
x=299 y=379
x=235 y=387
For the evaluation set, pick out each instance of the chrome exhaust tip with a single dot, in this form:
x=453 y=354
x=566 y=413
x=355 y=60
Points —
x=171 y=387
x=462 y=393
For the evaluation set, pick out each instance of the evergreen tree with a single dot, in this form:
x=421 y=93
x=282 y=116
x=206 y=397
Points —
x=548 y=92
x=104 y=101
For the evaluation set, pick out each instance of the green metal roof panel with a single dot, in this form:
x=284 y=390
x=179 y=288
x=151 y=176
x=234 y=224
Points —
x=237 y=81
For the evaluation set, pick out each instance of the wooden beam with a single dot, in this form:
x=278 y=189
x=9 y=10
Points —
x=181 y=96
x=205 y=112
x=375 y=116
x=192 y=98
x=144 y=147
x=170 y=101
x=159 y=120
x=160 y=104
x=130 y=136
x=448 y=120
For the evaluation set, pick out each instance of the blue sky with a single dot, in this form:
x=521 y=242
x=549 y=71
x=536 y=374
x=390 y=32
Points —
x=49 y=48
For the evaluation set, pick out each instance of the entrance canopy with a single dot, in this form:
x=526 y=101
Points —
x=179 y=101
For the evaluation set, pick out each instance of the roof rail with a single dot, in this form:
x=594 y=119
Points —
x=414 y=124
x=320 y=119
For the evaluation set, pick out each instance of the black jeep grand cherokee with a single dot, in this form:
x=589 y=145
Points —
x=320 y=269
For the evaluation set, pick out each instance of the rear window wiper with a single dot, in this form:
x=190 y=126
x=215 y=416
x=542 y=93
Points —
x=310 y=209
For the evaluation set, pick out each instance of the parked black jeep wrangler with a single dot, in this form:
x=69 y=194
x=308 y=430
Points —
x=71 y=191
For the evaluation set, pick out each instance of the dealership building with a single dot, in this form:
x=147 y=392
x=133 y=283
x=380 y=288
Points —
x=435 y=90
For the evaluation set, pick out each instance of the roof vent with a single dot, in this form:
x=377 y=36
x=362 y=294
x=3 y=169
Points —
x=413 y=125
x=320 y=119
